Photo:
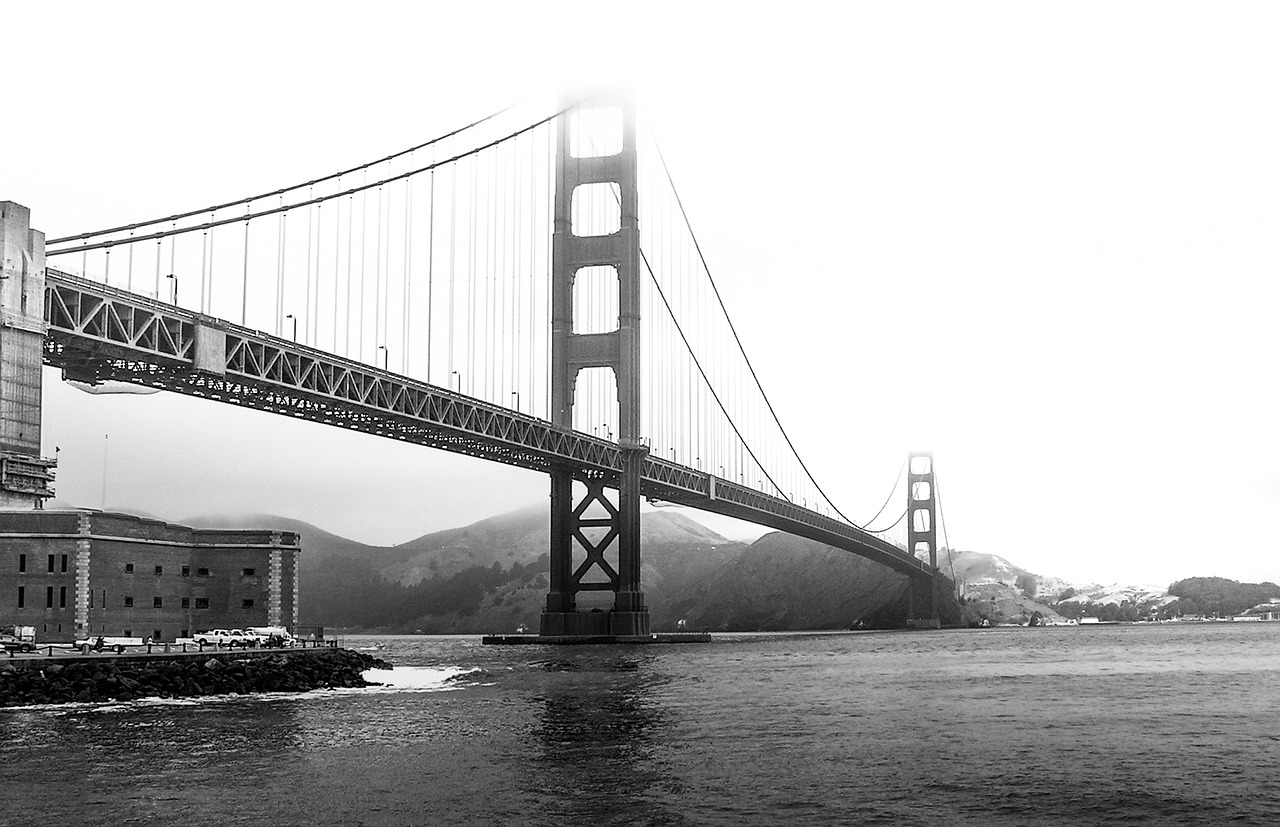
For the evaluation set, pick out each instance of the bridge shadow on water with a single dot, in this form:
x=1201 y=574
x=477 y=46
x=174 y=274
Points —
x=598 y=742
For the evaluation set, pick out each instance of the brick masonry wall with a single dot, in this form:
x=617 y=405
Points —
x=224 y=578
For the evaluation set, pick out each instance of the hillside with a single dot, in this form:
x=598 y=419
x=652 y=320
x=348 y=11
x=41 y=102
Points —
x=491 y=576
x=676 y=550
x=781 y=582
x=999 y=592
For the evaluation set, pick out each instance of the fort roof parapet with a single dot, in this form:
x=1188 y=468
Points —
x=117 y=525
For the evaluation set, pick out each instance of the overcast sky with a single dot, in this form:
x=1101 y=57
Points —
x=1037 y=239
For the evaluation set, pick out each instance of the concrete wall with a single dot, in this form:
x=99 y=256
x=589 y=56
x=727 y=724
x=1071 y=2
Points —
x=119 y=566
x=21 y=334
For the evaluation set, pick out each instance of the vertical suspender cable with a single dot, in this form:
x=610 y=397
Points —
x=364 y=227
x=453 y=238
x=208 y=303
x=173 y=258
x=204 y=265
x=337 y=264
x=346 y=310
x=244 y=290
x=311 y=216
x=471 y=278
x=431 y=260
x=408 y=276
x=314 y=310
x=377 y=284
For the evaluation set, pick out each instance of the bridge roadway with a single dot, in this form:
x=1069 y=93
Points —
x=97 y=332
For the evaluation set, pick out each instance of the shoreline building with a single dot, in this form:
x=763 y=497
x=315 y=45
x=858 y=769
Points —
x=76 y=573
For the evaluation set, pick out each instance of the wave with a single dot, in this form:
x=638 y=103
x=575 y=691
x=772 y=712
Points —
x=416 y=678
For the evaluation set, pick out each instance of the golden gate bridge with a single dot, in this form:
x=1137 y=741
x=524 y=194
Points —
x=526 y=289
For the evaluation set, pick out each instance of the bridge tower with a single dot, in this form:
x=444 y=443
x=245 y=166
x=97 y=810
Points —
x=922 y=537
x=25 y=478
x=619 y=350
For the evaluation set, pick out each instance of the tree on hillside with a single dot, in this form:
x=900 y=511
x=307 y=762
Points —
x=1220 y=596
x=1026 y=583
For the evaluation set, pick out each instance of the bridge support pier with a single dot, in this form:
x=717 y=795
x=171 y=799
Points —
x=595 y=524
x=26 y=478
x=922 y=538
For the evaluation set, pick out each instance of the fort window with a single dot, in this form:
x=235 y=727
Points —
x=202 y=572
x=156 y=634
x=247 y=603
x=186 y=603
x=247 y=572
x=22 y=562
x=186 y=571
x=90 y=598
x=50 y=562
x=62 y=598
x=158 y=602
x=22 y=597
x=202 y=602
x=64 y=564
x=185 y=633
x=128 y=633
x=48 y=597
x=128 y=601
x=159 y=569
x=128 y=568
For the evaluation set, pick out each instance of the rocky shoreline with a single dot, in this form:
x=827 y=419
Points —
x=29 y=682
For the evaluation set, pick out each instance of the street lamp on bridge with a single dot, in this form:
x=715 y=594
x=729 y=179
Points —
x=295 y=325
x=175 y=287
x=459 y=375
x=386 y=355
x=516 y=394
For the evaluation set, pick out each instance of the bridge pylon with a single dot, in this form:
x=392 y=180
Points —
x=922 y=538
x=26 y=478
x=595 y=524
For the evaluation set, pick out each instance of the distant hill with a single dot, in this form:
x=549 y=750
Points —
x=781 y=582
x=1219 y=596
x=999 y=592
x=491 y=576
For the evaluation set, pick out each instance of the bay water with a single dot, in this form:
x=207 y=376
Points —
x=1129 y=724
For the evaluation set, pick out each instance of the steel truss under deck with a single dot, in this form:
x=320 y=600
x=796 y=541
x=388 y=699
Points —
x=98 y=333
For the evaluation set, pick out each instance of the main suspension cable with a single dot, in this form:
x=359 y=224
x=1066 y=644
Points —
x=942 y=523
x=284 y=190
x=320 y=200
x=738 y=340
x=887 y=499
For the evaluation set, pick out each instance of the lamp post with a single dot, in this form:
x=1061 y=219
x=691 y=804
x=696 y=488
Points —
x=295 y=325
x=175 y=288
x=516 y=394
x=386 y=357
x=459 y=375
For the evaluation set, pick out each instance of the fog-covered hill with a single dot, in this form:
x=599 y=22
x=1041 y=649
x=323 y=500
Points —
x=491 y=576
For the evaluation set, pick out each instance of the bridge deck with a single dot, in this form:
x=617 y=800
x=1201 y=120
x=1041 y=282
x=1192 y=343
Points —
x=97 y=332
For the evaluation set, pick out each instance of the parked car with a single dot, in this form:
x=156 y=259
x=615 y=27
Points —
x=15 y=644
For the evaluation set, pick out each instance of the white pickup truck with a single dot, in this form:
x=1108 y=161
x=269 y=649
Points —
x=105 y=643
